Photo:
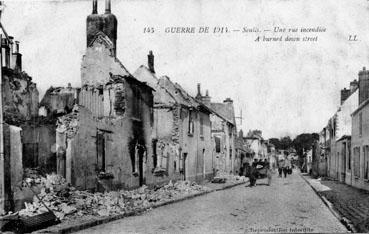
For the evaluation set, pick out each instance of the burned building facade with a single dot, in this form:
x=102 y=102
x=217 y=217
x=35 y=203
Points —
x=104 y=142
x=181 y=138
x=19 y=106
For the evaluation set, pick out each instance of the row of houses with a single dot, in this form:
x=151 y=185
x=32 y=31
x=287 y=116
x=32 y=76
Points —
x=118 y=130
x=342 y=151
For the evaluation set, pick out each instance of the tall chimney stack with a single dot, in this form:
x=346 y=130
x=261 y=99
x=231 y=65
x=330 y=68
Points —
x=107 y=7
x=94 y=7
x=17 y=47
x=363 y=85
x=11 y=63
x=198 y=95
x=150 y=61
x=345 y=93
x=17 y=58
x=206 y=99
x=354 y=85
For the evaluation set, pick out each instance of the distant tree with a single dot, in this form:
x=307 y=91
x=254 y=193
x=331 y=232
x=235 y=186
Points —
x=276 y=142
x=286 y=142
x=315 y=136
x=304 y=141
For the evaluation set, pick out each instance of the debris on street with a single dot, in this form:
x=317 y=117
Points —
x=67 y=202
x=222 y=177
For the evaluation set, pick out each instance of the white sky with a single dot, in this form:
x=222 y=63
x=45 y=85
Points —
x=281 y=87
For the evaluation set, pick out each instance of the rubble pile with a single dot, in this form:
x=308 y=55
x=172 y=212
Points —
x=68 y=203
x=222 y=177
x=69 y=123
x=32 y=176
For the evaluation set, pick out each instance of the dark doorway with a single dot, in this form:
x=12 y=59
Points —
x=141 y=153
x=343 y=162
x=30 y=155
x=184 y=157
x=100 y=147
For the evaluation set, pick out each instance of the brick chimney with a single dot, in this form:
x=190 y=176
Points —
x=150 y=61
x=94 y=7
x=198 y=95
x=106 y=23
x=363 y=85
x=17 y=57
x=354 y=85
x=107 y=7
x=206 y=99
x=345 y=93
x=5 y=52
x=11 y=60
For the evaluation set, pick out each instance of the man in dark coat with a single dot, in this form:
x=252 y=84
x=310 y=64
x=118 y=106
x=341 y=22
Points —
x=252 y=175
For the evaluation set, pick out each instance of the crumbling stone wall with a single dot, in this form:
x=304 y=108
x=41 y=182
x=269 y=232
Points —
x=38 y=141
x=20 y=97
x=12 y=163
x=126 y=141
x=176 y=129
x=59 y=100
x=226 y=133
x=98 y=63
x=104 y=101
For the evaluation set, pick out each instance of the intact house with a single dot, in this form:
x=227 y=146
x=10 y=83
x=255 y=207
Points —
x=19 y=106
x=357 y=165
x=181 y=136
x=104 y=143
x=223 y=132
x=336 y=137
x=339 y=166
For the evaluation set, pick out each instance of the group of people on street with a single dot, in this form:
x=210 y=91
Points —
x=284 y=166
x=262 y=168
x=257 y=169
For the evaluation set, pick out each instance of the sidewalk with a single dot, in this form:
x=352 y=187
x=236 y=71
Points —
x=76 y=225
x=350 y=204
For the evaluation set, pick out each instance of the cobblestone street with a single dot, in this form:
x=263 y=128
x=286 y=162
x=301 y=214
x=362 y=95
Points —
x=350 y=202
x=289 y=205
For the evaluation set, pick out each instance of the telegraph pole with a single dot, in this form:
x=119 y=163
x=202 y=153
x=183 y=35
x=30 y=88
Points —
x=2 y=161
x=240 y=117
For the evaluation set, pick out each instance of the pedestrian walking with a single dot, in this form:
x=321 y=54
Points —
x=252 y=176
x=280 y=172
x=269 y=174
x=280 y=169
x=285 y=171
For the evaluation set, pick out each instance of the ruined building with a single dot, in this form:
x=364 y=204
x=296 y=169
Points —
x=181 y=137
x=105 y=141
x=39 y=136
x=19 y=107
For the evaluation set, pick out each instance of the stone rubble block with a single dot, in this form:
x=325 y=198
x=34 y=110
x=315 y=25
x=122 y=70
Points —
x=68 y=203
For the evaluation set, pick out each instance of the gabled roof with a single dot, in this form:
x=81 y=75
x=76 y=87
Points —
x=116 y=67
x=225 y=111
x=179 y=95
x=143 y=74
x=102 y=38
x=177 y=92
x=130 y=78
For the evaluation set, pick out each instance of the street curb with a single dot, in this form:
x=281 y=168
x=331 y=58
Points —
x=99 y=221
x=329 y=205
